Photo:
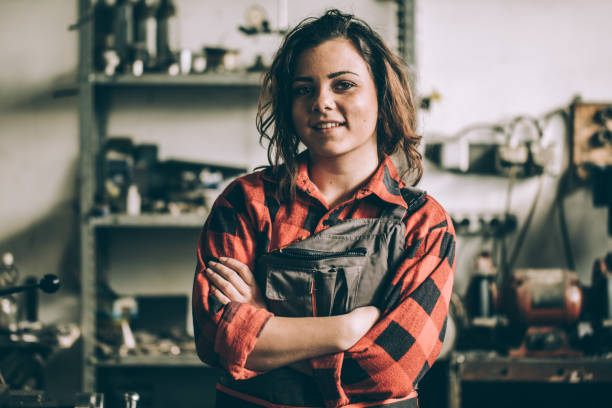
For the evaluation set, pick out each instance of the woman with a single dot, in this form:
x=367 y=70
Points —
x=324 y=279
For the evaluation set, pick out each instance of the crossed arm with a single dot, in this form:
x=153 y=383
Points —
x=286 y=340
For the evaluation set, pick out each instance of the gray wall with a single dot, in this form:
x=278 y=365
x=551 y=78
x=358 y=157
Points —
x=39 y=143
x=39 y=138
x=490 y=60
x=495 y=60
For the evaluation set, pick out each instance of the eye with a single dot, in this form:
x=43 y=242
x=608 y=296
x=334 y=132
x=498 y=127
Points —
x=344 y=85
x=301 y=90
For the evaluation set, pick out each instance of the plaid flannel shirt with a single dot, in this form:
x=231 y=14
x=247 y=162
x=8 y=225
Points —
x=388 y=362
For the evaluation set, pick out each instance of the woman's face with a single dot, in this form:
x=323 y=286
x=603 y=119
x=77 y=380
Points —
x=335 y=104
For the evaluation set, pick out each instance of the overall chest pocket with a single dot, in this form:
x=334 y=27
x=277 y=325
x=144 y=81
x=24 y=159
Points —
x=301 y=282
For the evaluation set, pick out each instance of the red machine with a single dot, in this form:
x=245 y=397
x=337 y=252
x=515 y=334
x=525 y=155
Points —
x=548 y=302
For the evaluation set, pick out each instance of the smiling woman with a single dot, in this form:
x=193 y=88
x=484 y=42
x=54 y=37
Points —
x=324 y=279
x=335 y=110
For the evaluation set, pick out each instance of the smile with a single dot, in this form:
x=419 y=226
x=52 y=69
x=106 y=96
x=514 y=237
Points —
x=327 y=125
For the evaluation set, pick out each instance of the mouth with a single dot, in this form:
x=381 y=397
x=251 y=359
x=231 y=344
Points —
x=327 y=125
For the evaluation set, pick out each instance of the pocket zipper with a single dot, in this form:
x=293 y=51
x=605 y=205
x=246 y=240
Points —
x=314 y=255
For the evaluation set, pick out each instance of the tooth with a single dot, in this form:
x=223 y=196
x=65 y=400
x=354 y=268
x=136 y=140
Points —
x=328 y=125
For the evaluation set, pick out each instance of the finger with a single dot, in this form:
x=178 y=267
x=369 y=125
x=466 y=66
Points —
x=231 y=276
x=223 y=285
x=242 y=270
x=219 y=295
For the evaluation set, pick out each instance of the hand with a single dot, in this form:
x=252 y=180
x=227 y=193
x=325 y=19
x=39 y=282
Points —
x=233 y=281
x=359 y=322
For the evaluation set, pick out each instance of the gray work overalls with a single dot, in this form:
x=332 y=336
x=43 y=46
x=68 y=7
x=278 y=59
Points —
x=348 y=265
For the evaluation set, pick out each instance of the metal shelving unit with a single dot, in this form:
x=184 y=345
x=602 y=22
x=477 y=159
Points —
x=93 y=89
x=148 y=220
x=185 y=360
x=230 y=79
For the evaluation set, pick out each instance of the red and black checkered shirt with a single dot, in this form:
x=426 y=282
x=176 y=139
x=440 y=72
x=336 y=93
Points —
x=387 y=363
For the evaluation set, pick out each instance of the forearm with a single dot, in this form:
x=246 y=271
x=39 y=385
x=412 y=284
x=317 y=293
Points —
x=286 y=340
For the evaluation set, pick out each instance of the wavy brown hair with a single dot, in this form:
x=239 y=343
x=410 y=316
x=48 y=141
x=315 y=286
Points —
x=397 y=117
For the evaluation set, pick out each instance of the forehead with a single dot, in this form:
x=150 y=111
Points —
x=331 y=56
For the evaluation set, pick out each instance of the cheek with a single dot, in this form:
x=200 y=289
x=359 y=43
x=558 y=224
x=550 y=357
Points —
x=296 y=113
x=299 y=120
x=368 y=113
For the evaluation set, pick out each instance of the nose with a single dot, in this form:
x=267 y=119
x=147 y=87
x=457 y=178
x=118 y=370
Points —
x=323 y=100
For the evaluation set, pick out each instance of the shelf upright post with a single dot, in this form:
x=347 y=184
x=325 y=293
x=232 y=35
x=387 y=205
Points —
x=406 y=32
x=89 y=141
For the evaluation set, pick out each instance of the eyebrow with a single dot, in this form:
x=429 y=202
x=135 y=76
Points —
x=330 y=76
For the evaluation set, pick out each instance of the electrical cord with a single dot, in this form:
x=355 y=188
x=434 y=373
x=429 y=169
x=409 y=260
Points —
x=538 y=124
x=502 y=247
x=565 y=237
x=523 y=233
x=564 y=180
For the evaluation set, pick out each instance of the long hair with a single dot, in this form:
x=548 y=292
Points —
x=397 y=117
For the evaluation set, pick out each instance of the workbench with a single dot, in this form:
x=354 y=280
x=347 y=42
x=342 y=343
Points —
x=490 y=367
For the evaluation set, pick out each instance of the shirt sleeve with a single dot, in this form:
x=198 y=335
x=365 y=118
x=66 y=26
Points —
x=395 y=354
x=226 y=335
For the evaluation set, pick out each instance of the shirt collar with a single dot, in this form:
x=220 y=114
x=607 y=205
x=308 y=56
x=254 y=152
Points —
x=384 y=183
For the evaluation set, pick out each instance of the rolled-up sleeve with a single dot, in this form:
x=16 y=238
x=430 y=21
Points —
x=225 y=335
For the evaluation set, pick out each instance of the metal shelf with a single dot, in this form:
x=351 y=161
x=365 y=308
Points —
x=93 y=90
x=182 y=360
x=229 y=79
x=148 y=221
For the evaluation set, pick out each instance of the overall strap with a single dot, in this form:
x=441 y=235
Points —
x=414 y=198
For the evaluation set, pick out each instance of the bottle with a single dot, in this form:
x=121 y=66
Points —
x=131 y=399
x=133 y=200
x=8 y=272
x=103 y=18
x=145 y=31
x=123 y=30
x=9 y=307
x=167 y=33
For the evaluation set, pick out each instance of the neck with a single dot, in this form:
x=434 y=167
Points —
x=338 y=178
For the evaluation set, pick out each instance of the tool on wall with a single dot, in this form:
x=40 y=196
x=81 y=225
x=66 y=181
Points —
x=592 y=150
x=516 y=147
x=541 y=312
